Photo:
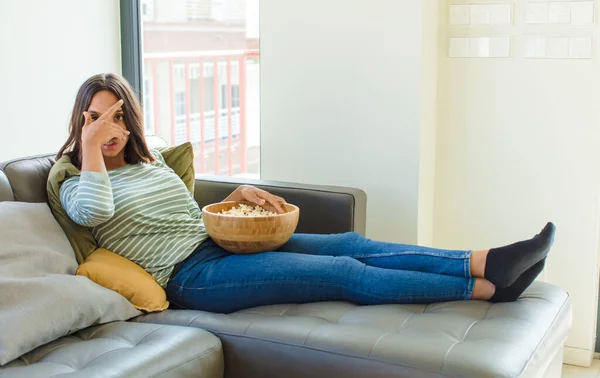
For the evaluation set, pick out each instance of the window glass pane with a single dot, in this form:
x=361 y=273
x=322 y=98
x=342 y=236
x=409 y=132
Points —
x=201 y=80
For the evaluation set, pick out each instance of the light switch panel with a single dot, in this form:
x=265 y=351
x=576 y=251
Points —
x=559 y=12
x=480 y=14
x=459 y=48
x=582 y=12
x=499 y=47
x=535 y=47
x=500 y=14
x=479 y=47
x=460 y=15
x=580 y=48
x=558 y=48
x=538 y=12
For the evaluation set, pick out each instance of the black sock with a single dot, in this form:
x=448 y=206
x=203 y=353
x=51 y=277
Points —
x=514 y=291
x=505 y=264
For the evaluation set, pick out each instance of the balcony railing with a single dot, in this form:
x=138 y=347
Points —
x=181 y=129
x=214 y=137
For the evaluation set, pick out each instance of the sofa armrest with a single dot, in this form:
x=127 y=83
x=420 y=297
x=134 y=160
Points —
x=323 y=209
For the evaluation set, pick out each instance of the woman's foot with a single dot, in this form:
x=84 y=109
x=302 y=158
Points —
x=504 y=265
x=514 y=291
x=483 y=289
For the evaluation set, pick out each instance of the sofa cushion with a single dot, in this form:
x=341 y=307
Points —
x=123 y=349
x=6 y=193
x=40 y=297
x=27 y=177
x=328 y=339
x=115 y=272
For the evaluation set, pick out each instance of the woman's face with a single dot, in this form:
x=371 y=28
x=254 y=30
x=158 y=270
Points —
x=101 y=101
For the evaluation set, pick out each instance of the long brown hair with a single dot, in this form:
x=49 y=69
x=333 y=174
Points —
x=136 y=150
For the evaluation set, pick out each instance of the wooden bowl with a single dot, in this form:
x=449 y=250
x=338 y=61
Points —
x=243 y=234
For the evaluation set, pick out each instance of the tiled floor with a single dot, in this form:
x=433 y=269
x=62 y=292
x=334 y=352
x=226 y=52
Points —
x=579 y=372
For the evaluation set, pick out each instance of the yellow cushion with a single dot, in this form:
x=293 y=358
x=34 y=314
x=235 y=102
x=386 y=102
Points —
x=116 y=273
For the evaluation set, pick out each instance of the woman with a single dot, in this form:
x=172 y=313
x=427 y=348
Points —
x=137 y=207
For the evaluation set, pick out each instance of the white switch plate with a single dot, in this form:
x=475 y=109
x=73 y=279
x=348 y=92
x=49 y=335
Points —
x=480 y=14
x=535 y=46
x=582 y=12
x=459 y=48
x=460 y=15
x=500 y=14
x=575 y=12
x=580 y=48
x=499 y=47
x=557 y=48
x=559 y=12
x=480 y=47
x=542 y=47
x=538 y=12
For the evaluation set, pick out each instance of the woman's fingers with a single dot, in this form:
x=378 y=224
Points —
x=252 y=197
x=88 y=118
x=116 y=131
x=111 y=111
x=264 y=198
x=279 y=199
x=272 y=200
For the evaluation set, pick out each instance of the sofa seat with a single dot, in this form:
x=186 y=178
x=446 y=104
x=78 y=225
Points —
x=124 y=349
x=339 y=339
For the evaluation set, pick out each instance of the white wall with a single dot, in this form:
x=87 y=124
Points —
x=428 y=121
x=518 y=145
x=47 y=50
x=341 y=102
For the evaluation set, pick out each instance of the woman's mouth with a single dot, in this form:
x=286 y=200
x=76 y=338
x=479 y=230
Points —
x=110 y=145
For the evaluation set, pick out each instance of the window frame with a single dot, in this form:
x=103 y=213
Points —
x=131 y=45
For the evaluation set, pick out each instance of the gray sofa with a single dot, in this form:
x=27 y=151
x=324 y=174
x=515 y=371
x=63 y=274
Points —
x=327 y=339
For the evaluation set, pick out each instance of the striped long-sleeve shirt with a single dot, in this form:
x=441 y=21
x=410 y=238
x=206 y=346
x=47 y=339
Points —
x=142 y=212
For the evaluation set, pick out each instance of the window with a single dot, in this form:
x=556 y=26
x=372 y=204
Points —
x=200 y=64
x=147 y=10
x=147 y=107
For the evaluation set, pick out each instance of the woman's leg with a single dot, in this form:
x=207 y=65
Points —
x=501 y=266
x=386 y=255
x=231 y=282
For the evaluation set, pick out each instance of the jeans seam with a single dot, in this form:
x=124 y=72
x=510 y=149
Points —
x=410 y=253
x=470 y=287
x=467 y=265
x=425 y=295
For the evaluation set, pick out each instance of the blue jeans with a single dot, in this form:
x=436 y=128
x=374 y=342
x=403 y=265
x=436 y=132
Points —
x=313 y=268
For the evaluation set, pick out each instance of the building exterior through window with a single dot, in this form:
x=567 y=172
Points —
x=201 y=80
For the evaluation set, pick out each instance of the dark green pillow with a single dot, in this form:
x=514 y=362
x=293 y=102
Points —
x=181 y=160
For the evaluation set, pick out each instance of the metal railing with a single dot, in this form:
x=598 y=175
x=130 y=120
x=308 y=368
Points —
x=209 y=134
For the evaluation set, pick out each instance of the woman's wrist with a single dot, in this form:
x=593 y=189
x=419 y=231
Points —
x=90 y=144
x=236 y=195
x=92 y=159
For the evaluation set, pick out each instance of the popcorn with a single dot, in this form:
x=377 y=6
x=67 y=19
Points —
x=244 y=210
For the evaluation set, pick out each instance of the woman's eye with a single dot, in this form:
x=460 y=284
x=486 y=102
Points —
x=94 y=118
x=119 y=117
